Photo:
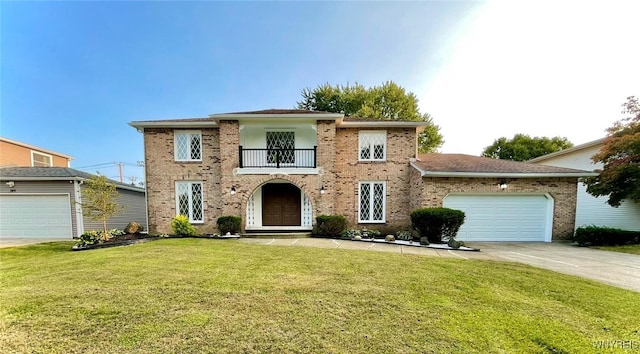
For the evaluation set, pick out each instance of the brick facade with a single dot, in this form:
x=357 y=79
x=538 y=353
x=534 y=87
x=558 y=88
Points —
x=431 y=191
x=395 y=171
x=339 y=172
x=162 y=172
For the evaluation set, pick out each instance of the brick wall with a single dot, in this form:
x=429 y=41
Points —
x=162 y=171
x=340 y=172
x=401 y=146
x=562 y=190
x=246 y=184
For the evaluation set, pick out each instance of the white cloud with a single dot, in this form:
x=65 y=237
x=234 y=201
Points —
x=539 y=68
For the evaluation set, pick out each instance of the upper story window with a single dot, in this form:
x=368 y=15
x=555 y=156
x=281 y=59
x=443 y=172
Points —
x=281 y=147
x=187 y=145
x=372 y=145
x=39 y=159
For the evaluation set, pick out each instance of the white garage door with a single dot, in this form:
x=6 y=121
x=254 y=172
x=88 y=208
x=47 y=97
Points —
x=35 y=216
x=504 y=217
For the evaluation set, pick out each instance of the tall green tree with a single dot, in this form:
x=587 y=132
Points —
x=523 y=147
x=619 y=178
x=99 y=200
x=388 y=101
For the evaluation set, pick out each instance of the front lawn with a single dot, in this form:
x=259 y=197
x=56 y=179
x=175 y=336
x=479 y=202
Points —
x=198 y=295
x=633 y=249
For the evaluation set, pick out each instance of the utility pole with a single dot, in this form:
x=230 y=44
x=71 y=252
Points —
x=120 y=169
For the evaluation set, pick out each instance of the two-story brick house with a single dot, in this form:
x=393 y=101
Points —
x=279 y=169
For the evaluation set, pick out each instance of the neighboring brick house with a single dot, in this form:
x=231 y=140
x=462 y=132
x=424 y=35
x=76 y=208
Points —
x=17 y=154
x=279 y=169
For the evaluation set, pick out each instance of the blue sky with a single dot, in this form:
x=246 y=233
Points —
x=73 y=74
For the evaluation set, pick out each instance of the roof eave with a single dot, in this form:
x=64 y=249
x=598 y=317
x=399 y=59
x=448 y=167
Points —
x=70 y=178
x=504 y=174
x=380 y=124
x=169 y=124
x=314 y=116
x=425 y=173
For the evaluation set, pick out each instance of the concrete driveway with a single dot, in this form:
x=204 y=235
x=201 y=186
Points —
x=13 y=242
x=613 y=268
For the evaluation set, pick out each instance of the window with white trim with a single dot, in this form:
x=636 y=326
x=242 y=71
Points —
x=187 y=145
x=39 y=159
x=189 y=201
x=373 y=200
x=372 y=145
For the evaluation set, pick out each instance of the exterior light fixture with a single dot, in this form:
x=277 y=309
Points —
x=503 y=185
x=322 y=189
x=233 y=190
x=11 y=184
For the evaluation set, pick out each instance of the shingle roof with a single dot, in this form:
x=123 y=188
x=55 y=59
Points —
x=281 y=111
x=468 y=164
x=51 y=173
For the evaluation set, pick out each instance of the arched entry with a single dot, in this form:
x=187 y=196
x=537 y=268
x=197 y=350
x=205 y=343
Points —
x=279 y=205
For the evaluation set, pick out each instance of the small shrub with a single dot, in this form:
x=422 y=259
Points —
x=181 y=226
x=605 y=236
x=351 y=234
x=89 y=238
x=230 y=224
x=93 y=237
x=455 y=244
x=330 y=225
x=437 y=224
x=372 y=234
x=404 y=235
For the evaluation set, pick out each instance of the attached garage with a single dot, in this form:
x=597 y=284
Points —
x=35 y=216
x=503 y=200
x=503 y=217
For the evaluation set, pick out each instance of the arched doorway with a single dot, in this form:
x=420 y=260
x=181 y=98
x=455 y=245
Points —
x=279 y=205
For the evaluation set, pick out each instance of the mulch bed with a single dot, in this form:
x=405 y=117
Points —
x=132 y=239
x=122 y=240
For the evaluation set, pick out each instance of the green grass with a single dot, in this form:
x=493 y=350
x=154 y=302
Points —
x=633 y=249
x=194 y=295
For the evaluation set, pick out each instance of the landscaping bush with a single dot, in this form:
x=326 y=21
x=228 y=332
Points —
x=351 y=234
x=605 y=236
x=371 y=233
x=182 y=227
x=230 y=224
x=330 y=225
x=404 y=236
x=93 y=237
x=437 y=224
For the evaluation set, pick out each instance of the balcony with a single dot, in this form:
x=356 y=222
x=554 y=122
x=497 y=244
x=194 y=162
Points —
x=278 y=158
